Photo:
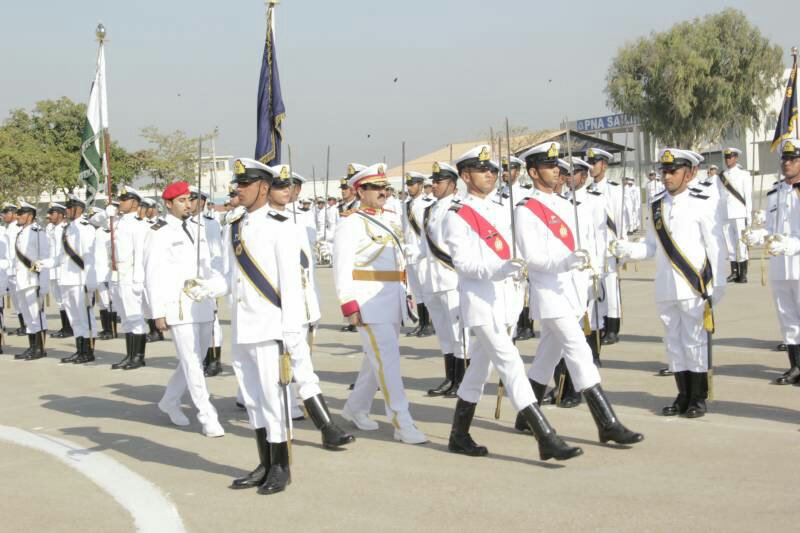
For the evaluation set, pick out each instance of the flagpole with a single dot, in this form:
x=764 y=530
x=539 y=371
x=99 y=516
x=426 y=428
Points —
x=100 y=33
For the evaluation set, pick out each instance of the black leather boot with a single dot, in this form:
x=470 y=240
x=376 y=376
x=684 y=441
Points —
x=259 y=474
x=594 y=342
x=681 y=402
x=87 y=353
x=569 y=397
x=128 y=352
x=781 y=347
x=460 y=439
x=137 y=357
x=154 y=335
x=420 y=321
x=38 y=347
x=114 y=317
x=21 y=330
x=612 y=331
x=665 y=372
x=742 y=272
x=78 y=349
x=459 y=369
x=539 y=392
x=28 y=351
x=449 y=377
x=105 y=323
x=66 y=328
x=332 y=435
x=698 y=393
x=426 y=327
x=734 y=277
x=214 y=367
x=279 y=475
x=551 y=446
x=351 y=328
x=608 y=426
x=793 y=376
x=524 y=325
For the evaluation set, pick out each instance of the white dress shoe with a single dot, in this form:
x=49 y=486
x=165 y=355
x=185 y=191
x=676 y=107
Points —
x=213 y=429
x=175 y=414
x=360 y=420
x=410 y=435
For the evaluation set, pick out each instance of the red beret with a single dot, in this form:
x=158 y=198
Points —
x=173 y=190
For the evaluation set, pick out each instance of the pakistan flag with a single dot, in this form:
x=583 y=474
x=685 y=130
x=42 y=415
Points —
x=91 y=165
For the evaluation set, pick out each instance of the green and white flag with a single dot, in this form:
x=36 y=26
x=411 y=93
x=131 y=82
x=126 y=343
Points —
x=92 y=166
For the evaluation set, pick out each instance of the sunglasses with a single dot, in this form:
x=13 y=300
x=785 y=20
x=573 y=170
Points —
x=373 y=187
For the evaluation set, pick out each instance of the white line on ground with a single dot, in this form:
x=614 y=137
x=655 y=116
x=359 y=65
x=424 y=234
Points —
x=150 y=509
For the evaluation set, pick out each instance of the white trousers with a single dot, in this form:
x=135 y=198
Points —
x=257 y=369
x=445 y=315
x=305 y=382
x=685 y=338
x=564 y=337
x=57 y=292
x=82 y=322
x=191 y=342
x=732 y=230
x=103 y=296
x=492 y=345
x=414 y=283
x=611 y=306
x=381 y=369
x=32 y=310
x=787 y=304
x=129 y=304
x=216 y=335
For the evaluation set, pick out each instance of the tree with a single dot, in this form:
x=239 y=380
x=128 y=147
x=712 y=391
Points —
x=40 y=150
x=696 y=80
x=173 y=156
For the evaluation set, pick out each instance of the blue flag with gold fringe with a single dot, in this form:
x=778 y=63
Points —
x=271 y=111
x=787 y=120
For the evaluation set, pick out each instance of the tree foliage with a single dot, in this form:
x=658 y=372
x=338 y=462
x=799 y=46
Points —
x=696 y=80
x=171 y=156
x=40 y=150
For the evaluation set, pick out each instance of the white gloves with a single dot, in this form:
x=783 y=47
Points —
x=292 y=342
x=620 y=249
x=759 y=217
x=197 y=289
x=754 y=237
x=111 y=210
x=577 y=260
x=783 y=245
x=512 y=267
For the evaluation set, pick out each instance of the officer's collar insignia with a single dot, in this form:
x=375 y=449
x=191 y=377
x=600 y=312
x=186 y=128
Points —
x=553 y=151
x=484 y=154
x=284 y=173
x=436 y=168
x=238 y=167
x=667 y=157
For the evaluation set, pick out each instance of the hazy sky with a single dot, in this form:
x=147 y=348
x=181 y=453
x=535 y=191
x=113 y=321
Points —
x=462 y=65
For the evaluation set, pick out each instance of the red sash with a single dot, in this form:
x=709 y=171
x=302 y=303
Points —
x=485 y=231
x=553 y=222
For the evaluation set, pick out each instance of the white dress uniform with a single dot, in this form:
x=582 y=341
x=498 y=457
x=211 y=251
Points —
x=169 y=261
x=611 y=195
x=504 y=197
x=487 y=297
x=653 y=188
x=738 y=209
x=127 y=282
x=54 y=233
x=416 y=261
x=782 y=235
x=213 y=234
x=710 y=186
x=441 y=280
x=369 y=273
x=684 y=310
x=633 y=206
x=31 y=245
x=73 y=263
x=559 y=293
x=10 y=235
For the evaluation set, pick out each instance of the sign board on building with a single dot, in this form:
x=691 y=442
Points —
x=608 y=122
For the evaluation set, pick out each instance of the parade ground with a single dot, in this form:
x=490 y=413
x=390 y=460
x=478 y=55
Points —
x=84 y=448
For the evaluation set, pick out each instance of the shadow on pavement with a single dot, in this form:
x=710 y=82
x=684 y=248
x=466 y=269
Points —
x=147 y=451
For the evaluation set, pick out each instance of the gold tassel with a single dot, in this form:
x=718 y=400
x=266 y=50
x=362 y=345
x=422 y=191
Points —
x=587 y=326
x=708 y=318
x=285 y=376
